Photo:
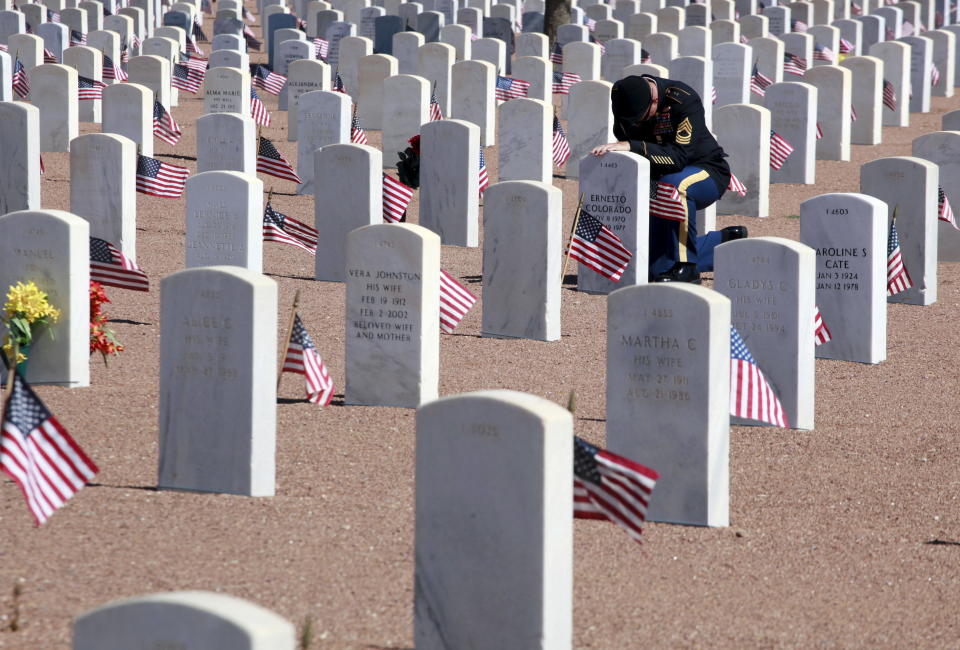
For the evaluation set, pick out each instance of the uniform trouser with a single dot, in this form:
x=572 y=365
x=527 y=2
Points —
x=677 y=241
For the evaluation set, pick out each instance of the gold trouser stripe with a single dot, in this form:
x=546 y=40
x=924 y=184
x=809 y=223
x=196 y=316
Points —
x=682 y=189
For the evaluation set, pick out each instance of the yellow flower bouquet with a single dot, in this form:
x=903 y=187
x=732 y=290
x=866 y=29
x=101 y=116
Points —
x=26 y=309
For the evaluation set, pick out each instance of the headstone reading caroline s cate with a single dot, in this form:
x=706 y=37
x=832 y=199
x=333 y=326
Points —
x=224 y=220
x=52 y=249
x=615 y=190
x=522 y=260
x=770 y=282
x=218 y=333
x=494 y=523
x=668 y=395
x=849 y=234
x=182 y=620
x=392 y=315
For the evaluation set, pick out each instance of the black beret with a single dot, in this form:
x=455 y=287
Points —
x=630 y=98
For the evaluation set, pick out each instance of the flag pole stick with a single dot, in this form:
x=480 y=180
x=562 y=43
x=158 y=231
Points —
x=270 y=195
x=11 y=372
x=286 y=340
x=576 y=220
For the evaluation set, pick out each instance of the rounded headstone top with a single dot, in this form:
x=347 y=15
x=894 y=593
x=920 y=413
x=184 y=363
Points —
x=532 y=404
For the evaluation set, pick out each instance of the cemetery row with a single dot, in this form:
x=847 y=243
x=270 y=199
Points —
x=765 y=287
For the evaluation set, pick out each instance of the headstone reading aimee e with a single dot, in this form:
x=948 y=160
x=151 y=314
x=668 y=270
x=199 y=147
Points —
x=494 y=523
x=771 y=284
x=182 y=620
x=218 y=337
x=849 y=234
x=615 y=190
x=668 y=395
x=392 y=315
x=52 y=249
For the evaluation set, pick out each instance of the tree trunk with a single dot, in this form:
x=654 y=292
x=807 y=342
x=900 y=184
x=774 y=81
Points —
x=556 y=13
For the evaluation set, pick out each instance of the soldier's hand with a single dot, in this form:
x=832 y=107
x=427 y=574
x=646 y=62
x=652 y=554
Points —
x=611 y=146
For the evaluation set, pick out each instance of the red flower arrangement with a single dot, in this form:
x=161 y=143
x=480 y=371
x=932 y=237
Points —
x=102 y=339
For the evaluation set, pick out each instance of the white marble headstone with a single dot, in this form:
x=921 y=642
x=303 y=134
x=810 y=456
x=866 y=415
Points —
x=103 y=188
x=449 y=185
x=406 y=106
x=20 y=142
x=128 y=111
x=743 y=130
x=589 y=121
x=943 y=149
x=224 y=220
x=493 y=518
x=324 y=118
x=392 y=315
x=218 y=339
x=849 y=233
x=472 y=97
x=227 y=142
x=668 y=395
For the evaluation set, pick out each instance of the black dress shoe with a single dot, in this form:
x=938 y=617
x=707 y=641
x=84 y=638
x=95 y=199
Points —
x=733 y=232
x=681 y=272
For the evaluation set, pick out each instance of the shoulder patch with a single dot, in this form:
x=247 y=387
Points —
x=684 y=131
x=676 y=93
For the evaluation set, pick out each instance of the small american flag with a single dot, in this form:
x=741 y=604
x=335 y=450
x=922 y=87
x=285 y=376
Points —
x=897 y=277
x=820 y=332
x=589 y=22
x=49 y=57
x=780 y=149
x=164 y=126
x=644 y=56
x=252 y=42
x=596 y=247
x=823 y=53
x=819 y=134
x=53 y=16
x=482 y=176
x=190 y=60
x=357 y=134
x=557 y=55
x=338 y=85
x=321 y=48
x=855 y=9
x=934 y=75
x=508 y=88
x=736 y=185
x=21 y=83
x=77 y=38
x=751 y=396
x=853 y=113
x=561 y=148
x=43 y=170
x=258 y=111
x=302 y=358
x=278 y=227
x=794 y=64
x=798 y=26
x=944 y=210
x=185 y=78
x=906 y=28
x=111 y=267
x=455 y=302
x=267 y=80
x=197 y=32
x=270 y=161
x=89 y=88
x=610 y=487
x=246 y=15
x=713 y=94
x=160 y=179
x=396 y=198
x=846 y=47
x=889 y=95
x=665 y=202
x=39 y=455
x=435 y=112
x=759 y=82
x=112 y=71
x=563 y=82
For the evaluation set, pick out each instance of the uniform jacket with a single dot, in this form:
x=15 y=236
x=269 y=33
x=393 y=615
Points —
x=677 y=136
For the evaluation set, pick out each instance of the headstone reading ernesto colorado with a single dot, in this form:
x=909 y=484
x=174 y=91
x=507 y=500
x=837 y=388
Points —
x=52 y=249
x=218 y=337
x=392 y=315
x=849 y=234
x=185 y=620
x=494 y=523
x=668 y=395
x=615 y=188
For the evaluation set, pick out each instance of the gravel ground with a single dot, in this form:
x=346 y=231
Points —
x=844 y=536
